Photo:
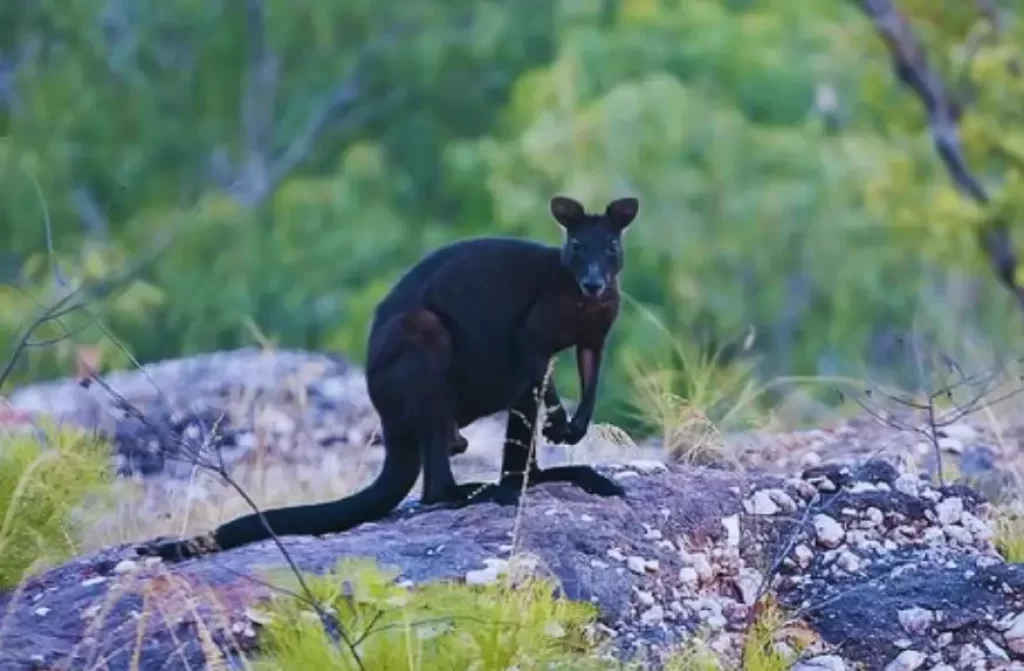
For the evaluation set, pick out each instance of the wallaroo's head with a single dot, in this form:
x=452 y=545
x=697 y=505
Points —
x=593 y=242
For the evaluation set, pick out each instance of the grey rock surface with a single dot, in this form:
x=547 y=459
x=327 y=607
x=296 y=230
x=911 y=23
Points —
x=677 y=555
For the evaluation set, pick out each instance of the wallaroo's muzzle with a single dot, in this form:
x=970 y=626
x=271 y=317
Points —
x=593 y=282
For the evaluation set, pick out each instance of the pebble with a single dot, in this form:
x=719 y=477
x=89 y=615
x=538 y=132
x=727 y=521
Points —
x=653 y=615
x=126 y=566
x=1014 y=634
x=636 y=565
x=732 y=530
x=829 y=532
x=688 y=576
x=646 y=598
x=821 y=663
x=748 y=582
x=949 y=510
x=761 y=504
x=908 y=660
x=702 y=566
x=916 y=620
x=803 y=555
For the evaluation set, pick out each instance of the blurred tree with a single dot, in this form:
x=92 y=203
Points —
x=794 y=211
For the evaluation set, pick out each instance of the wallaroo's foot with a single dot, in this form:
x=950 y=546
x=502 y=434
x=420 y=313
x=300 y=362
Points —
x=456 y=495
x=504 y=493
x=584 y=477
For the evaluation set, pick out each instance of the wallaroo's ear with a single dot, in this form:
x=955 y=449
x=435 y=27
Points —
x=622 y=211
x=566 y=210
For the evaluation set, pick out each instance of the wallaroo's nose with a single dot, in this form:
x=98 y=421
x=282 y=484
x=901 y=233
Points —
x=592 y=286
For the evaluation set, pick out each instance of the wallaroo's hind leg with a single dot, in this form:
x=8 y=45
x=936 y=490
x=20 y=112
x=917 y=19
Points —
x=408 y=379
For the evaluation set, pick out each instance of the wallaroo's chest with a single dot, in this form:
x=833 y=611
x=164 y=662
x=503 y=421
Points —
x=572 y=319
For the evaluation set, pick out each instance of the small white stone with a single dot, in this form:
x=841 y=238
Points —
x=970 y=654
x=949 y=510
x=126 y=566
x=829 y=532
x=93 y=581
x=688 y=576
x=732 y=530
x=783 y=500
x=702 y=566
x=994 y=651
x=957 y=533
x=760 y=504
x=916 y=620
x=42 y=611
x=484 y=576
x=821 y=663
x=907 y=484
x=964 y=432
x=653 y=615
x=646 y=598
x=803 y=555
x=748 y=582
x=636 y=565
x=1014 y=634
x=848 y=561
x=908 y=660
x=616 y=554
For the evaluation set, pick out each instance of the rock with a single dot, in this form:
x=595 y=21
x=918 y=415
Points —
x=830 y=533
x=1014 y=634
x=916 y=620
x=211 y=403
x=949 y=510
x=875 y=577
x=688 y=577
x=761 y=504
x=908 y=660
x=821 y=663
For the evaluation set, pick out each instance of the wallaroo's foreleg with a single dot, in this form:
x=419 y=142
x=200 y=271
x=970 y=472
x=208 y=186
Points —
x=519 y=461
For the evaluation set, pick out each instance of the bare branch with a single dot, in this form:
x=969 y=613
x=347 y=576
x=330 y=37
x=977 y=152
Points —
x=339 y=100
x=912 y=68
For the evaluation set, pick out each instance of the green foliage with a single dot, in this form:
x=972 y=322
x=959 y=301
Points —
x=819 y=231
x=433 y=626
x=42 y=485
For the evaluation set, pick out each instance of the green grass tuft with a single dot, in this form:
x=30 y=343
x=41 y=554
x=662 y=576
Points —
x=437 y=626
x=44 y=478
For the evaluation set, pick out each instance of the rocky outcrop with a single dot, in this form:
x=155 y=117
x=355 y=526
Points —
x=882 y=569
x=292 y=401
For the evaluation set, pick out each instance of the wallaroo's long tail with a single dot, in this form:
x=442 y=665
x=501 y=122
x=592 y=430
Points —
x=380 y=497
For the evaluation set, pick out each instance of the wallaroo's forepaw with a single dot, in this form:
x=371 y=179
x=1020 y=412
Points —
x=565 y=433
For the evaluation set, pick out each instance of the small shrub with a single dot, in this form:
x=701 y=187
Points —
x=1009 y=536
x=434 y=626
x=44 y=478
